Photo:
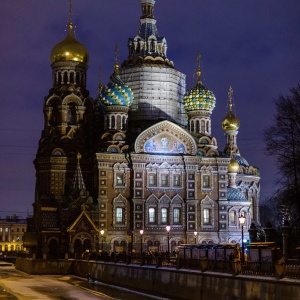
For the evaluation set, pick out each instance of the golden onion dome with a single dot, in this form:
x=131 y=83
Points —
x=69 y=49
x=233 y=166
x=230 y=122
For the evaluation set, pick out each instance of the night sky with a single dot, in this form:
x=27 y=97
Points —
x=251 y=45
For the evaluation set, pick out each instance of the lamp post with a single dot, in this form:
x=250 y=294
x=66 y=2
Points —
x=102 y=233
x=141 y=233
x=168 y=228
x=195 y=236
x=242 y=220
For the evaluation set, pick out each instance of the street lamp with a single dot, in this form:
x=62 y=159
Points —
x=195 y=236
x=141 y=233
x=168 y=228
x=242 y=220
x=102 y=233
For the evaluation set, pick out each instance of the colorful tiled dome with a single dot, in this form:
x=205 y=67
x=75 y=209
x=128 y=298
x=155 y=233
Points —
x=116 y=92
x=199 y=98
x=235 y=195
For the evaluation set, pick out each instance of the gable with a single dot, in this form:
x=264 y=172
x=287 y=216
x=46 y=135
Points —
x=165 y=137
x=83 y=223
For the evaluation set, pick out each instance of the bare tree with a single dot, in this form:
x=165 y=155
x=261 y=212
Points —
x=283 y=142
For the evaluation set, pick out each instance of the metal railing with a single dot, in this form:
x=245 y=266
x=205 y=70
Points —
x=235 y=267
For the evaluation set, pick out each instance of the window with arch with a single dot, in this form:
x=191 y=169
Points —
x=71 y=113
x=164 y=215
x=232 y=217
x=152 y=215
x=177 y=215
x=176 y=180
x=252 y=208
x=206 y=181
x=152 y=180
x=206 y=216
x=164 y=180
x=119 y=215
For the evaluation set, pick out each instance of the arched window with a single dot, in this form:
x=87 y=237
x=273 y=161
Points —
x=71 y=114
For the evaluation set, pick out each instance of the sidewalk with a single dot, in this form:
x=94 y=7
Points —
x=15 y=284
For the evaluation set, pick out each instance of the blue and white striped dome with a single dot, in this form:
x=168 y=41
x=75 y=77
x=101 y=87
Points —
x=116 y=92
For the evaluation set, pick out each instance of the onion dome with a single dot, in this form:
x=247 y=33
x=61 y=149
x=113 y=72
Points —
x=69 y=49
x=240 y=160
x=233 y=166
x=230 y=122
x=116 y=92
x=234 y=194
x=199 y=97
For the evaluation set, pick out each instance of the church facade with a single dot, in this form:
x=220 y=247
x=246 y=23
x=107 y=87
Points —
x=117 y=171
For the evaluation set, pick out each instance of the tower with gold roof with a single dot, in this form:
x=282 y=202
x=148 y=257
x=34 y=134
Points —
x=68 y=130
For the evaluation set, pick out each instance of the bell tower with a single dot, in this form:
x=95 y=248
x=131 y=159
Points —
x=68 y=130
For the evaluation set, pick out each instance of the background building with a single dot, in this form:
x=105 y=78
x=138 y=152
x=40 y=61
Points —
x=12 y=230
x=141 y=156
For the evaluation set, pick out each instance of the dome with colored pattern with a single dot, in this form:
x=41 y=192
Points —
x=116 y=92
x=199 y=98
x=234 y=194
x=69 y=49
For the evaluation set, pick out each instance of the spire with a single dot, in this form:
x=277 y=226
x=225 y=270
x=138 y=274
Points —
x=230 y=125
x=70 y=13
x=147 y=44
x=198 y=67
x=230 y=98
x=78 y=186
x=100 y=79
x=116 y=60
x=70 y=19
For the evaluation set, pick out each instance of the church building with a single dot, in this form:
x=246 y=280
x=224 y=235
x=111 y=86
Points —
x=137 y=164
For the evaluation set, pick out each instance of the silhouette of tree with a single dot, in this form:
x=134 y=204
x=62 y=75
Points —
x=283 y=143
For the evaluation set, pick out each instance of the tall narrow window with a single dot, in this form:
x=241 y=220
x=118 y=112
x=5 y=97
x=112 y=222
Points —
x=120 y=179
x=119 y=215
x=152 y=180
x=151 y=215
x=233 y=217
x=71 y=114
x=252 y=207
x=176 y=180
x=164 y=180
x=206 y=181
x=164 y=215
x=206 y=216
x=176 y=215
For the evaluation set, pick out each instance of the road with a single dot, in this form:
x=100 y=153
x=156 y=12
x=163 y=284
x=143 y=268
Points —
x=17 y=285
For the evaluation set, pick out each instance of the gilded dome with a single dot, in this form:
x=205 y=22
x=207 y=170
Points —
x=199 y=98
x=116 y=92
x=230 y=122
x=69 y=49
x=233 y=166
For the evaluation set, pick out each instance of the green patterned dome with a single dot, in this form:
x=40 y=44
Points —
x=199 y=98
x=116 y=92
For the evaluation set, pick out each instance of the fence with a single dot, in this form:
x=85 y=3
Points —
x=235 y=267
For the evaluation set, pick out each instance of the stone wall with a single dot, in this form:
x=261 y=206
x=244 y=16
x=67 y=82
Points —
x=172 y=283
